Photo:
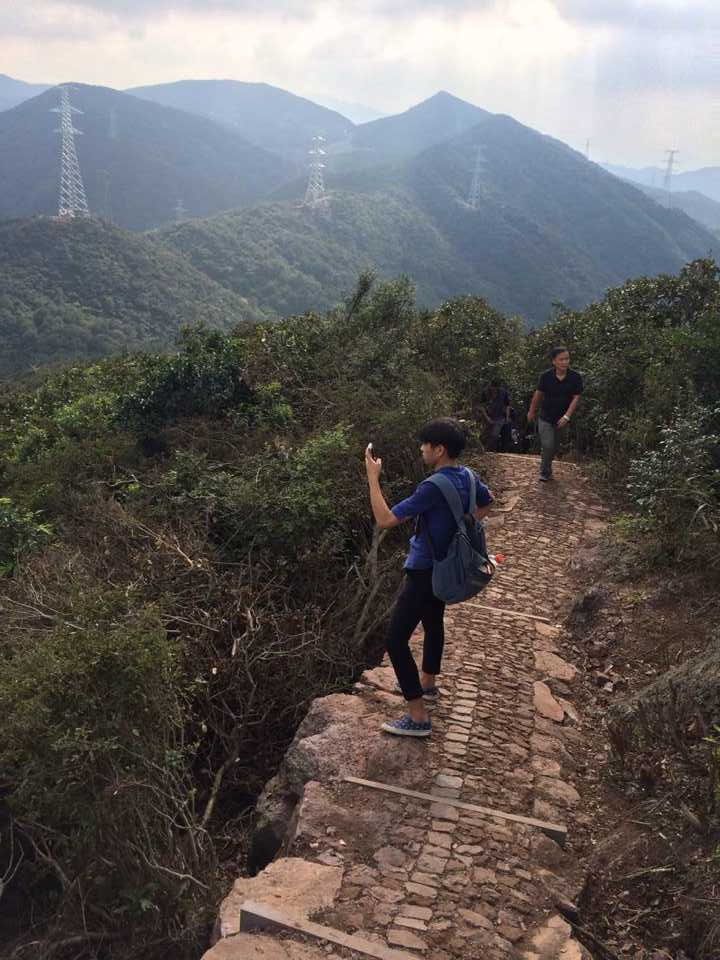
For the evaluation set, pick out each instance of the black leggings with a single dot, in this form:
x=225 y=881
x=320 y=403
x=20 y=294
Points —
x=416 y=603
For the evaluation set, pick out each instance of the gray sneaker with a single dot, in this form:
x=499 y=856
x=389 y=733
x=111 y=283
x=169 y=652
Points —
x=407 y=727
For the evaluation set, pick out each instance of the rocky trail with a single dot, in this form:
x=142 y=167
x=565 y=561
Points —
x=460 y=846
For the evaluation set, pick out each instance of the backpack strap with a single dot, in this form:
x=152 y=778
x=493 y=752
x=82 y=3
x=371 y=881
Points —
x=452 y=498
x=451 y=494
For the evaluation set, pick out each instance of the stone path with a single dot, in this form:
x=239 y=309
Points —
x=430 y=879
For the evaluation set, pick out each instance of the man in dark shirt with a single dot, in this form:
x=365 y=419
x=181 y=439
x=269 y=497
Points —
x=557 y=396
x=441 y=443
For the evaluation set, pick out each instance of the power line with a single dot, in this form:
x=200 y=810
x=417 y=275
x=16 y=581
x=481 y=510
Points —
x=72 y=201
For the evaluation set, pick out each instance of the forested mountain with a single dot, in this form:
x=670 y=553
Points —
x=138 y=160
x=403 y=135
x=549 y=226
x=79 y=288
x=705 y=180
x=694 y=204
x=267 y=116
x=13 y=92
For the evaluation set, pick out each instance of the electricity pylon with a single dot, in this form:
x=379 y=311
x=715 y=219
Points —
x=72 y=201
x=315 y=190
x=667 y=183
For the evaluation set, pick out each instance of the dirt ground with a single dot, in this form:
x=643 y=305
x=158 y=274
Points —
x=651 y=843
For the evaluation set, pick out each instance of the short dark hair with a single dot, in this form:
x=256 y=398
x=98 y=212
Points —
x=444 y=432
x=558 y=350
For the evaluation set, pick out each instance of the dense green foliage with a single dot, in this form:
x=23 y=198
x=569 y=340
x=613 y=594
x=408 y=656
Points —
x=189 y=560
x=80 y=288
x=190 y=546
x=138 y=160
x=650 y=353
x=291 y=258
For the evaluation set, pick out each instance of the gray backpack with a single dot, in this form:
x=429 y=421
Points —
x=466 y=569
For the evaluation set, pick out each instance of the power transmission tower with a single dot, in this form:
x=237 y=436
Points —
x=180 y=211
x=587 y=149
x=315 y=191
x=667 y=183
x=72 y=201
x=474 y=195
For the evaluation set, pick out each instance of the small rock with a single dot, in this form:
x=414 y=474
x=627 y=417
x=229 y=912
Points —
x=554 y=666
x=390 y=857
x=475 y=919
x=405 y=938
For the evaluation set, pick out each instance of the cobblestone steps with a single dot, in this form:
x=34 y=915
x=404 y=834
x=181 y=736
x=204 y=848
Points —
x=431 y=879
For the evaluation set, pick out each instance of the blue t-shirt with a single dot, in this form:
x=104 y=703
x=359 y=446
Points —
x=428 y=502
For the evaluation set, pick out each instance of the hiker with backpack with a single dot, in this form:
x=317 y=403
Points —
x=447 y=561
x=557 y=396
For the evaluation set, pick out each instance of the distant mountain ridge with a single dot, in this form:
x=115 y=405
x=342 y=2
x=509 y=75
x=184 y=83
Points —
x=142 y=164
x=13 y=92
x=705 y=180
x=694 y=204
x=267 y=116
x=549 y=227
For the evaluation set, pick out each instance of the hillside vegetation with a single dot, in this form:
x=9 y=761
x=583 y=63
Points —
x=694 y=204
x=549 y=228
x=80 y=289
x=189 y=560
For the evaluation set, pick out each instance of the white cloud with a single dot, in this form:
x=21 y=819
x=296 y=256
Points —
x=623 y=73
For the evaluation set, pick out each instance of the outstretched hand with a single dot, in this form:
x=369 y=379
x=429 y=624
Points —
x=373 y=464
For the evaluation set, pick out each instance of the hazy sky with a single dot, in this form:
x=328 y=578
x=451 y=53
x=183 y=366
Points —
x=635 y=77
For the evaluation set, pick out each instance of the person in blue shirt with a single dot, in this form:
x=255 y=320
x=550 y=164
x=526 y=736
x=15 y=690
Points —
x=441 y=443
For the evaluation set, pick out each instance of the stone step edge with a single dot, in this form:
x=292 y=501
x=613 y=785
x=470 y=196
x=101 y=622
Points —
x=556 y=831
x=259 y=916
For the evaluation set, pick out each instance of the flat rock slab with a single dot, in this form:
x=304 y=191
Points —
x=381 y=677
x=554 y=941
x=554 y=666
x=299 y=887
x=546 y=704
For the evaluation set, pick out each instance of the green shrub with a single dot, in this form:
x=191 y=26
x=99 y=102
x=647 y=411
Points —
x=21 y=531
x=676 y=484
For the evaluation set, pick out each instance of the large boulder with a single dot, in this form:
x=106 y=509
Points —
x=329 y=744
x=298 y=888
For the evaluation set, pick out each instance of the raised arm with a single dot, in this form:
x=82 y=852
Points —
x=384 y=517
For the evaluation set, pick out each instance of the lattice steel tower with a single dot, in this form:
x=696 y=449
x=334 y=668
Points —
x=667 y=182
x=72 y=202
x=316 y=180
x=474 y=195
